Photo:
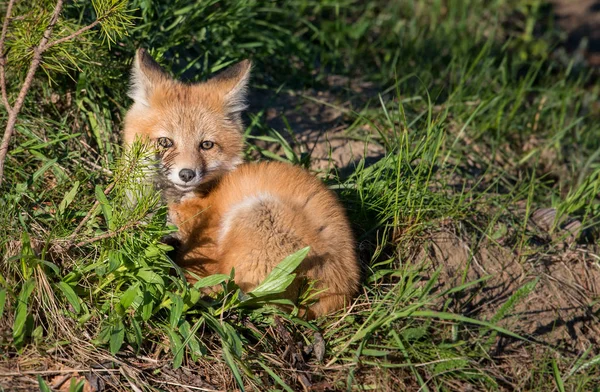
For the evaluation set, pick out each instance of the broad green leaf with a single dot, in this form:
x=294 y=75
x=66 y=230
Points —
x=68 y=198
x=115 y=259
x=150 y=277
x=70 y=295
x=52 y=266
x=129 y=295
x=211 y=280
x=177 y=347
x=279 y=279
x=233 y=366
x=147 y=306
x=22 y=311
x=42 y=384
x=2 y=301
x=176 y=310
x=27 y=254
x=117 y=336
x=189 y=336
x=275 y=286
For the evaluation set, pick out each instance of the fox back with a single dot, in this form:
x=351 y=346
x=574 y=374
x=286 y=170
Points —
x=234 y=216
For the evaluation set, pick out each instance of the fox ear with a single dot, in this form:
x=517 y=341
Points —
x=145 y=75
x=234 y=83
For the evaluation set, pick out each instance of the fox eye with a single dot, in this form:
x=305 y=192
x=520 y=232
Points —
x=165 y=142
x=207 y=145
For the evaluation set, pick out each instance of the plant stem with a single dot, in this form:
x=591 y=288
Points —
x=3 y=58
x=35 y=63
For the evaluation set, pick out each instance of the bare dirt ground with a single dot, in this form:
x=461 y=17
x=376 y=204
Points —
x=560 y=311
x=319 y=119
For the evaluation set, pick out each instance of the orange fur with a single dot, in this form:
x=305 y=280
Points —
x=244 y=217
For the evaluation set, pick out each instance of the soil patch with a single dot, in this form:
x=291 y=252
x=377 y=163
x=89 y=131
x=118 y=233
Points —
x=316 y=121
x=554 y=294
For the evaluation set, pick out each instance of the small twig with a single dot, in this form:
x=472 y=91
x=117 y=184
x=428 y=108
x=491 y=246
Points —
x=75 y=34
x=90 y=213
x=97 y=167
x=104 y=236
x=3 y=58
x=35 y=372
x=187 y=386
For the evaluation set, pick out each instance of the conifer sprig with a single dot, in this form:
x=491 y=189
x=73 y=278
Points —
x=112 y=16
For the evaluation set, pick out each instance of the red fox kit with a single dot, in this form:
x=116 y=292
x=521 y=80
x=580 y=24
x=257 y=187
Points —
x=234 y=215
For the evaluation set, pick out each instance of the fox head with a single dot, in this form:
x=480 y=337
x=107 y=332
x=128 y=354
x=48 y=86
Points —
x=196 y=128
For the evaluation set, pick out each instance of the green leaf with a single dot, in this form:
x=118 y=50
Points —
x=115 y=259
x=233 y=366
x=147 y=306
x=211 y=280
x=75 y=386
x=282 y=275
x=69 y=293
x=176 y=310
x=42 y=384
x=117 y=336
x=137 y=333
x=375 y=353
x=52 y=266
x=189 y=336
x=150 y=277
x=2 y=301
x=177 y=347
x=22 y=311
x=43 y=169
x=233 y=339
x=129 y=295
x=450 y=364
x=105 y=206
x=412 y=334
x=459 y=318
x=560 y=385
x=68 y=198
x=37 y=334
x=275 y=377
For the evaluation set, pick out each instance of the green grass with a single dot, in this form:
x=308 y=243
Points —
x=479 y=124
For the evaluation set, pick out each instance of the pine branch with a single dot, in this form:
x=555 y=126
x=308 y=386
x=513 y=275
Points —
x=75 y=34
x=104 y=236
x=38 y=52
x=35 y=63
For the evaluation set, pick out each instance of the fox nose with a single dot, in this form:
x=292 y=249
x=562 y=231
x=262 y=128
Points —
x=186 y=175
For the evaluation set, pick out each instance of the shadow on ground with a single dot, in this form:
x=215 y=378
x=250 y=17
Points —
x=580 y=19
